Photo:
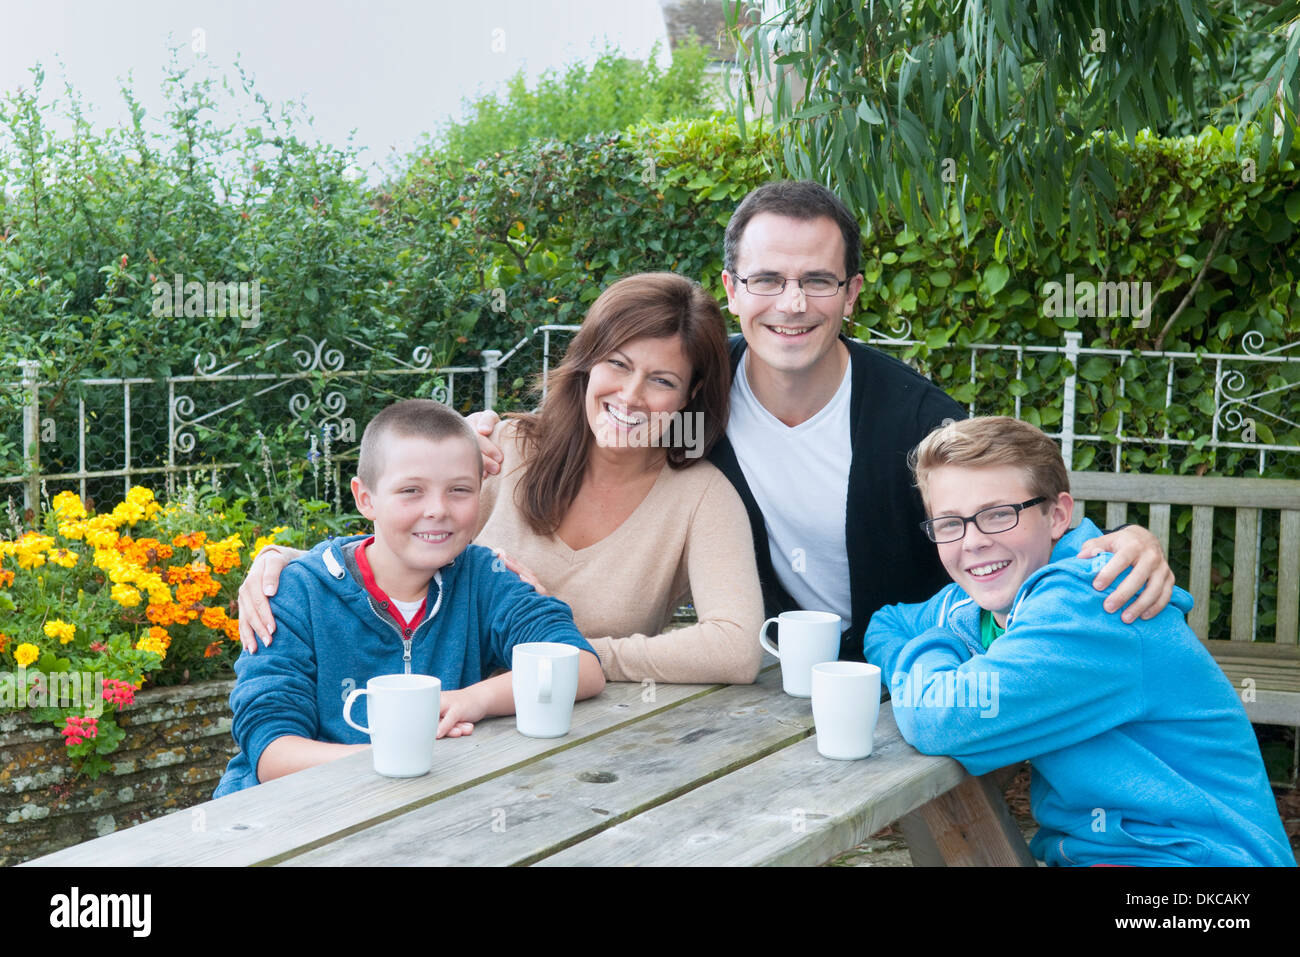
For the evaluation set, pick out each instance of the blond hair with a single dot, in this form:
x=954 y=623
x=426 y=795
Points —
x=987 y=442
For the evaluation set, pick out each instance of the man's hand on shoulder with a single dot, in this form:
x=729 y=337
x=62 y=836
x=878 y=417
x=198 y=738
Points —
x=1151 y=578
x=483 y=423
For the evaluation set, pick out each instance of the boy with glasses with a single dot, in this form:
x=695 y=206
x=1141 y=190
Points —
x=1142 y=754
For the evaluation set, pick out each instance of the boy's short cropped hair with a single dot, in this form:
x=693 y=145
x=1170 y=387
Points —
x=988 y=442
x=418 y=418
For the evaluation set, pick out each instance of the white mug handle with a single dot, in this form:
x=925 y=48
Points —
x=763 y=640
x=545 y=678
x=347 y=708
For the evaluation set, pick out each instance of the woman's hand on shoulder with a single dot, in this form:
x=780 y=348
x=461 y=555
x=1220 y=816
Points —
x=521 y=570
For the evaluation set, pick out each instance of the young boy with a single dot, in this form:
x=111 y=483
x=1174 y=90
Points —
x=1141 y=752
x=415 y=597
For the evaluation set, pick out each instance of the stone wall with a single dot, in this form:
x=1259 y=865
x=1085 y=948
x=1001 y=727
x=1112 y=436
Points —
x=176 y=747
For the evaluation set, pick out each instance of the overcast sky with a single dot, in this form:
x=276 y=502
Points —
x=390 y=69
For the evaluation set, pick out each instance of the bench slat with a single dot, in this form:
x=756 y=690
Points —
x=1116 y=514
x=1079 y=506
x=1202 y=530
x=1186 y=489
x=1288 y=578
x=1160 y=525
x=1243 y=575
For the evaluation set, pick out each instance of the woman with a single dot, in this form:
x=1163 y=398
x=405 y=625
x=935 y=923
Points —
x=604 y=499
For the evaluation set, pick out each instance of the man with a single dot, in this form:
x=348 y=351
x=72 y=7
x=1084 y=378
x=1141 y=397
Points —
x=820 y=428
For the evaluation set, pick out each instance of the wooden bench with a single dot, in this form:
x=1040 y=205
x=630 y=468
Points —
x=1265 y=673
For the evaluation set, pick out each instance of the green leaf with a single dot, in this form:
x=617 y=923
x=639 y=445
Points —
x=869 y=114
x=995 y=277
x=1293 y=207
x=1095 y=369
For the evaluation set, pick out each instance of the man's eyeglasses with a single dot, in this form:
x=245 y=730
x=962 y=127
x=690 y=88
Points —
x=775 y=285
x=990 y=521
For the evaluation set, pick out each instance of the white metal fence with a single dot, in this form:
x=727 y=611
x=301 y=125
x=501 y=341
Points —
x=159 y=418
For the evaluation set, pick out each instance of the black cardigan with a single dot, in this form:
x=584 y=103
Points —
x=890 y=560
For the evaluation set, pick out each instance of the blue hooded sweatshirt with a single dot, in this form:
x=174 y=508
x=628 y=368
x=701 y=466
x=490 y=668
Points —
x=1141 y=751
x=331 y=636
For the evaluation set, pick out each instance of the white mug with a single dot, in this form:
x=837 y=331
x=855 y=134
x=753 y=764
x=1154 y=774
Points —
x=544 y=677
x=845 y=706
x=807 y=637
x=403 y=714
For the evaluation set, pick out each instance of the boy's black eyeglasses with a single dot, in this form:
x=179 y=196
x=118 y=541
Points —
x=775 y=285
x=990 y=521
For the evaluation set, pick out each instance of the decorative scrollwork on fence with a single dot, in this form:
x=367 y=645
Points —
x=1253 y=343
x=1229 y=412
x=320 y=358
x=421 y=358
x=204 y=366
x=182 y=437
x=898 y=333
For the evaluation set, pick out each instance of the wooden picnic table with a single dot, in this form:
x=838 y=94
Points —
x=648 y=774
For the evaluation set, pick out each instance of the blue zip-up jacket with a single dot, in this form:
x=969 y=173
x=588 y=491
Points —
x=331 y=637
x=1141 y=751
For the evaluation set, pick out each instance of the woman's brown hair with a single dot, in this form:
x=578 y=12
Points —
x=557 y=438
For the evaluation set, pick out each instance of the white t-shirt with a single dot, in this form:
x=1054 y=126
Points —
x=407 y=608
x=800 y=479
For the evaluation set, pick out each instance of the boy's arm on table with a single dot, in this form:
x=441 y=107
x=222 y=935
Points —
x=1063 y=673
x=274 y=703
x=893 y=626
x=518 y=615
x=491 y=697
x=723 y=644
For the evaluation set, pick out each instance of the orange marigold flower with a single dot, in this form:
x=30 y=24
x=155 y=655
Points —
x=160 y=635
x=212 y=650
x=213 y=617
x=6 y=578
x=192 y=540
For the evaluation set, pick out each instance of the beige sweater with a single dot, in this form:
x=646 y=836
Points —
x=689 y=537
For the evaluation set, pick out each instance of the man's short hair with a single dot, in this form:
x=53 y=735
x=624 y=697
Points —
x=419 y=418
x=988 y=442
x=797 y=199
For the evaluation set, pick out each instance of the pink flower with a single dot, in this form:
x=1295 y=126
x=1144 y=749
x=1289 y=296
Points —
x=119 y=693
x=77 y=730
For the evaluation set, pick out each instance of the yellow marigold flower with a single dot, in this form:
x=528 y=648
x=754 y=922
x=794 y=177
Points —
x=61 y=556
x=30 y=559
x=126 y=596
x=73 y=530
x=150 y=643
x=25 y=654
x=68 y=507
x=57 y=628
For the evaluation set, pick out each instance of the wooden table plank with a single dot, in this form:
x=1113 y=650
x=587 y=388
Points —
x=317 y=805
x=568 y=797
x=793 y=807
